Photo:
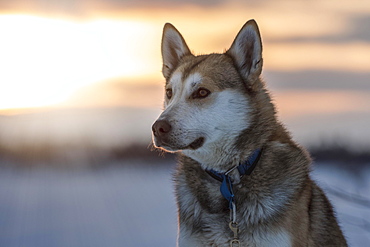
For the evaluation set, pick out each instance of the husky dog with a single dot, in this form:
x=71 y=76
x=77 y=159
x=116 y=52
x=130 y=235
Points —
x=241 y=179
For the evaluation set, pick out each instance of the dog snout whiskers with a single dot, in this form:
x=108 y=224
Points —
x=161 y=127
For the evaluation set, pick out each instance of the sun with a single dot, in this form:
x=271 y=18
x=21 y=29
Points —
x=43 y=61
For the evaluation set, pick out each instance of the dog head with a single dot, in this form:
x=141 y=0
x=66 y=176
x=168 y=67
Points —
x=210 y=100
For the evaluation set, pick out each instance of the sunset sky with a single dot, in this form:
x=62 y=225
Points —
x=106 y=53
x=50 y=50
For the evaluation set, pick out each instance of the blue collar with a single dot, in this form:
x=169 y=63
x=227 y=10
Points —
x=246 y=168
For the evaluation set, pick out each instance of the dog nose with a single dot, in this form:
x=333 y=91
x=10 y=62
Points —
x=161 y=128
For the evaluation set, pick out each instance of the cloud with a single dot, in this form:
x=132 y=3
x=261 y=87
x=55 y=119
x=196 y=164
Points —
x=70 y=8
x=357 y=31
x=360 y=28
x=161 y=3
x=81 y=8
x=318 y=80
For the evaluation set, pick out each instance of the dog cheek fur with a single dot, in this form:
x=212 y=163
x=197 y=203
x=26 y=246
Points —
x=221 y=122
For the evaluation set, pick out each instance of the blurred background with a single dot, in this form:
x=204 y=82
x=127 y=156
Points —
x=81 y=84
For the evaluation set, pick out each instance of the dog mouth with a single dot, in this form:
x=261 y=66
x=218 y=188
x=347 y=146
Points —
x=196 y=144
x=172 y=148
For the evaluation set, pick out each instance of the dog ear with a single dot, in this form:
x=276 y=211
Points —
x=173 y=49
x=246 y=51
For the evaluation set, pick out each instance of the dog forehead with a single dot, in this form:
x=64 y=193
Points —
x=175 y=80
x=215 y=70
x=192 y=82
x=187 y=86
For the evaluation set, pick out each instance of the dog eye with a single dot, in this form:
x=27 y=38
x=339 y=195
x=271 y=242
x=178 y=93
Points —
x=201 y=93
x=169 y=93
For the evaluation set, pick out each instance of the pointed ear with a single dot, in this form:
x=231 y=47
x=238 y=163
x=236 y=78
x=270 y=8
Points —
x=246 y=51
x=173 y=49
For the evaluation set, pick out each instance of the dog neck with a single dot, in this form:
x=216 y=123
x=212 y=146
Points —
x=226 y=188
x=244 y=168
x=220 y=156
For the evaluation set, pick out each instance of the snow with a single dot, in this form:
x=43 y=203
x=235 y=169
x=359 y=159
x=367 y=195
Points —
x=129 y=205
x=120 y=206
x=350 y=194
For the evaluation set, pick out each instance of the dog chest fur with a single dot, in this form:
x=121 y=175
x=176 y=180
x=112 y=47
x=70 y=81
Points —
x=204 y=213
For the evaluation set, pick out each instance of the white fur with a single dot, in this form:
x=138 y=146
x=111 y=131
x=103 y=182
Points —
x=174 y=84
x=219 y=122
x=272 y=239
x=267 y=206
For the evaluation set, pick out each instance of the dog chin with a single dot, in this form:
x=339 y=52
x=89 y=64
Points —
x=198 y=143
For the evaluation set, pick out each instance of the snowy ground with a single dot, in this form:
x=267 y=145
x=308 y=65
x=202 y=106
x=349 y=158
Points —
x=132 y=206
x=350 y=194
